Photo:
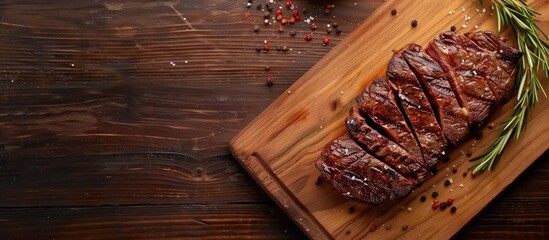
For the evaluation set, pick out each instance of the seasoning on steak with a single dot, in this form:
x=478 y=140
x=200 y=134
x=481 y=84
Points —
x=497 y=63
x=452 y=117
x=457 y=56
x=417 y=108
x=382 y=148
x=379 y=104
x=358 y=175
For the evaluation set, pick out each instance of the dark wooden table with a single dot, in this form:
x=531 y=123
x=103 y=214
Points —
x=116 y=116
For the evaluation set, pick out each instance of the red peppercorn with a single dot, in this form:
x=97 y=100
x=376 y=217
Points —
x=284 y=21
x=450 y=201
x=279 y=17
x=308 y=37
x=292 y=20
x=295 y=12
x=280 y=28
x=288 y=4
x=474 y=174
x=325 y=41
x=266 y=47
x=297 y=18
x=278 y=12
x=314 y=26
x=435 y=204
x=373 y=227
x=329 y=6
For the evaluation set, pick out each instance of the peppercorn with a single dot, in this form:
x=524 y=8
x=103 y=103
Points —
x=270 y=83
x=266 y=15
x=308 y=37
x=292 y=20
x=454 y=170
x=259 y=7
x=423 y=198
x=280 y=28
x=285 y=48
x=266 y=47
x=258 y=48
x=404 y=227
x=325 y=41
x=373 y=227
x=491 y=125
x=266 y=21
x=434 y=194
x=326 y=11
x=387 y=226
x=269 y=7
x=338 y=30
x=288 y=4
x=297 y=18
x=335 y=24
x=351 y=209
x=295 y=12
x=318 y=179
x=414 y=23
x=443 y=205
x=453 y=28
x=267 y=68
x=453 y=209
x=474 y=174
x=329 y=30
x=469 y=153
x=434 y=171
x=464 y=174
x=284 y=21
x=447 y=182
x=450 y=201
x=314 y=26
x=394 y=12
x=329 y=6
x=292 y=33
x=278 y=12
x=256 y=28
x=435 y=204
x=279 y=17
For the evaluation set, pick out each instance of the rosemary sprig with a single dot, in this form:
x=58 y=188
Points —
x=517 y=15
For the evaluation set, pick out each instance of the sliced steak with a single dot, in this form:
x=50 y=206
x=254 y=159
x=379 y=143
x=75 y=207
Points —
x=417 y=108
x=456 y=55
x=382 y=148
x=379 y=104
x=358 y=175
x=497 y=63
x=452 y=117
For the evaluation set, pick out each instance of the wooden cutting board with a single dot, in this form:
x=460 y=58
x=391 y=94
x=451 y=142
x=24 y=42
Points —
x=280 y=146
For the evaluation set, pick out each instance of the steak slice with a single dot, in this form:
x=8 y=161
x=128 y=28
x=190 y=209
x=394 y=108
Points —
x=379 y=104
x=497 y=63
x=452 y=117
x=358 y=175
x=456 y=55
x=383 y=148
x=417 y=108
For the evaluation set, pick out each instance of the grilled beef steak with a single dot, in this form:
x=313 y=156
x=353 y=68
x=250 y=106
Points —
x=418 y=109
x=359 y=176
x=452 y=117
x=379 y=104
x=383 y=148
x=398 y=128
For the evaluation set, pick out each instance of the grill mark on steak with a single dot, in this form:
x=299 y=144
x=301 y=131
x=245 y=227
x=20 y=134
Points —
x=384 y=149
x=417 y=108
x=497 y=63
x=456 y=54
x=451 y=117
x=358 y=175
x=378 y=103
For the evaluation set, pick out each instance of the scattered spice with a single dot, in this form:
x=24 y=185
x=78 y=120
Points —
x=270 y=83
x=269 y=7
x=491 y=125
x=329 y=6
x=473 y=174
x=373 y=227
x=293 y=33
x=258 y=48
x=289 y=4
x=325 y=41
x=404 y=227
x=469 y=153
x=256 y=28
x=351 y=209
x=464 y=174
x=453 y=209
x=394 y=12
x=387 y=226
x=314 y=26
x=329 y=30
x=258 y=7
x=447 y=182
x=308 y=36
x=326 y=11
x=423 y=198
x=434 y=171
x=280 y=28
x=443 y=206
x=278 y=12
x=435 y=204
x=453 y=28
x=454 y=170
x=335 y=24
x=414 y=23
x=450 y=201
x=267 y=68
x=338 y=30
x=292 y=20
x=285 y=48
x=266 y=47
x=266 y=15
x=279 y=17
x=434 y=194
x=409 y=209
x=266 y=21
x=284 y=21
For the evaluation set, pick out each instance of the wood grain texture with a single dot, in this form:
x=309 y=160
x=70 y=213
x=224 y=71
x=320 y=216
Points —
x=123 y=144
x=280 y=146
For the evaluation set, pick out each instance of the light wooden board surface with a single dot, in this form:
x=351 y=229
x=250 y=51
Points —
x=280 y=146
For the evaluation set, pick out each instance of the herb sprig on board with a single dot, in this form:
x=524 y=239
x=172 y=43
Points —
x=520 y=18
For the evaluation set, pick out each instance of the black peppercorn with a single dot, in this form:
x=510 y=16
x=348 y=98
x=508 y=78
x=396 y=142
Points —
x=256 y=28
x=443 y=205
x=259 y=7
x=266 y=15
x=335 y=24
x=270 y=83
x=453 y=28
x=394 y=11
x=318 y=180
x=447 y=182
x=454 y=170
x=464 y=174
x=453 y=209
x=414 y=23
x=329 y=30
x=326 y=11
x=267 y=68
x=434 y=194
x=351 y=209
x=269 y=7
x=285 y=48
x=404 y=227
x=469 y=153
x=258 y=48
x=423 y=198
x=292 y=33
x=338 y=30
